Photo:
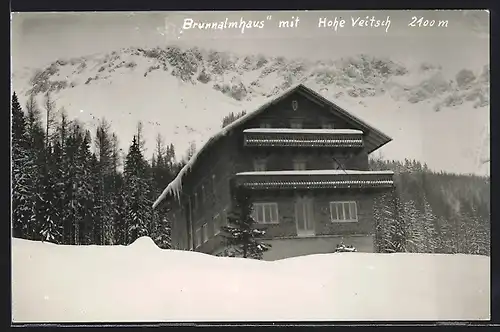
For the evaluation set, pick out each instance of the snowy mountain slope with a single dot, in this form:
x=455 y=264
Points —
x=184 y=93
x=56 y=283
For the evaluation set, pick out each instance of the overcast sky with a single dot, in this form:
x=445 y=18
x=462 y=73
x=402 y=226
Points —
x=40 y=38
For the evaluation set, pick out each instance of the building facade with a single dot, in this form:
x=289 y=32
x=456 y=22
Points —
x=305 y=162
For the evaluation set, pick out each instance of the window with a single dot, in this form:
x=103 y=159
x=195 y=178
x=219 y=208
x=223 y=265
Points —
x=203 y=193
x=265 y=125
x=265 y=213
x=197 y=240
x=299 y=165
x=327 y=126
x=217 y=224
x=343 y=211
x=296 y=124
x=295 y=105
x=195 y=204
x=259 y=165
x=204 y=229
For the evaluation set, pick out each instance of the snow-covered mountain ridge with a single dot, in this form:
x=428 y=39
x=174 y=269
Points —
x=184 y=93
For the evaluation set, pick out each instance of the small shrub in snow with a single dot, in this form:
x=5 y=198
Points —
x=341 y=247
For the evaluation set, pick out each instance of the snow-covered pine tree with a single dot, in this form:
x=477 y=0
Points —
x=382 y=235
x=76 y=182
x=84 y=191
x=103 y=221
x=161 y=228
x=23 y=182
x=49 y=209
x=429 y=224
x=240 y=234
x=162 y=165
x=140 y=137
x=120 y=220
x=64 y=169
x=477 y=232
x=70 y=171
x=390 y=228
x=136 y=193
x=444 y=241
x=170 y=158
x=231 y=117
x=50 y=116
x=36 y=148
x=415 y=229
x=115 y=189
x=398 y=224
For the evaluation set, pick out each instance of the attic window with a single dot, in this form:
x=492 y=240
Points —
x=327 y=125
x=295 y=105
x=265 y=125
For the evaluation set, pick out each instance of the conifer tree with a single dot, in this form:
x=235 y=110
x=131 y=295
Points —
x=136 y=191
x=231 y=117
x=49 y=210
x=240 y=234
x=23 y=182
x=429 y=221
x=415 y=234
x=104 y=172
x=386 y=228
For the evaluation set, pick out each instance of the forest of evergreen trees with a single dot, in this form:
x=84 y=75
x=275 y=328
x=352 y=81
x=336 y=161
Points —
x=432 y=212
x=71 y=186
x=74 y=186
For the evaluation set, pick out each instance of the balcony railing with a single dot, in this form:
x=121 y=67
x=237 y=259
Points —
x=345 y=138
x=315 y=179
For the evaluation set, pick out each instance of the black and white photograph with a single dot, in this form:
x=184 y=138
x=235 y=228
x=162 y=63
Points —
x=250 y=166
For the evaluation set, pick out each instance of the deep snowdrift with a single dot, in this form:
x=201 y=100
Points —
x=143 y=283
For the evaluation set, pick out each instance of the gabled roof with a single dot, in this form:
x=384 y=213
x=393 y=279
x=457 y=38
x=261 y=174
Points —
x=374 y=136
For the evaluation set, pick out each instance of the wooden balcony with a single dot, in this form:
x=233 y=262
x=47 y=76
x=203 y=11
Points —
x=283 y=137
x=315 y=179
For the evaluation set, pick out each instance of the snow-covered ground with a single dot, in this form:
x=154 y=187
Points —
x=141 y=282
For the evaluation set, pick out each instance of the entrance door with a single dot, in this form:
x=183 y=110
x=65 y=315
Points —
x=304 y=216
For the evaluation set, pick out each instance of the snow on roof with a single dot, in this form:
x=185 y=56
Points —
x=303 y=131
x=317 y=172
x=175 y=187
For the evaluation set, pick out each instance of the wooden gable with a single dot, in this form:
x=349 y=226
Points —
x=302 y=105
x=297 y=109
